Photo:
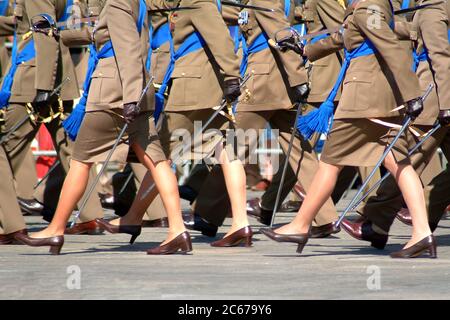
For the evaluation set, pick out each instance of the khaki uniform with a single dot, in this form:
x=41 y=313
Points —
x=270 y=97
x=159 y=61
x=265 y=94
x=46 y=71
x=367 y=89
x=117 y=81
x=429 y=28
x=197 y=79
x=320 y=15
x=11 y=219
x=26 y=177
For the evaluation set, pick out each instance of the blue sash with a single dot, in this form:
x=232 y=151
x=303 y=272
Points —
x=260 y=43
x=405 y=4
x=73 y=123
x=191 y=44
x=157 y=39
x=236 y=36
x=4 y=5
x=320 y=120
x=67 y=11
x=18 y=57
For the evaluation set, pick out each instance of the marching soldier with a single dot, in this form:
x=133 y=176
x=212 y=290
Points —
x=115 y=98
x=429 y=32
x=27 y=88
x=355 y=139
x=206 y=68
x=270 y=99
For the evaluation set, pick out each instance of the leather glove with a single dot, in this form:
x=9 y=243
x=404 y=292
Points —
x=291 y=44
x=42 y=100
x=232 y=90
x=444 y=117
x=130 y=112
x=301 y=92
x=414 y=107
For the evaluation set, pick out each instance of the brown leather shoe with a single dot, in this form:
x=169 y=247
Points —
x=363 y=231
x=404 y=216
x=426 y=245
x=243 y=235
x=157 y=223
x=181 y=244
x=10 y=238
x=324 y=231
x=90 y=227
x=299 y=239
x=134 y=231
x=291 y=206
x=55 y=243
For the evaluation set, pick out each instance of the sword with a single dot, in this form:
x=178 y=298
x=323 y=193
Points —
x=246 y=6
x=436 y=127
x=171 y=9
x=286 y=164
x=49 y=172
x=25 y=119
x=423 y=6
x=108 y=158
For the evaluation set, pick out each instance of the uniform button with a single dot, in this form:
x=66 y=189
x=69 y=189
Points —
x=183 y=74
x=100 y=74
x=354 y=78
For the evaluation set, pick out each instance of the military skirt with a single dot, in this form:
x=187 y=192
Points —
x=362 y=142
x=100 y=130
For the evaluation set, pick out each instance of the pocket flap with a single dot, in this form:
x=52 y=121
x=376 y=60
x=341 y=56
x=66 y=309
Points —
x=365 y=77
x=187 y=72
x=260 y=68
x=31 y=63
x=104 y=73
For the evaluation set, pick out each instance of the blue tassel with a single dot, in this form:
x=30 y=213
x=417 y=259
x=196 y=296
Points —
x=73 y=122
x=318 y=120
x=159 y=106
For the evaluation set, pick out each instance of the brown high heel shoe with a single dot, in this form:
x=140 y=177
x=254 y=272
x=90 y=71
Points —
x=235 y=239
x=134 y=231
x=299 y=239
x=181 y=244
x=55 y=243
x=427 y=244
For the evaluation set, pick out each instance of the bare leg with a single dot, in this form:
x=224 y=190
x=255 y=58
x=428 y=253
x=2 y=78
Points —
x=235 y=181
x=73 y=189
x=167 y=186
x=412 y=191
x=321 y=189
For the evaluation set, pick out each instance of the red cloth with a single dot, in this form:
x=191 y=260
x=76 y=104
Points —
x=43 y=163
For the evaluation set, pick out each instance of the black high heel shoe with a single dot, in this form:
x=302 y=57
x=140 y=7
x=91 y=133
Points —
x=134 y=231
x=300 y=239
x=426 y=245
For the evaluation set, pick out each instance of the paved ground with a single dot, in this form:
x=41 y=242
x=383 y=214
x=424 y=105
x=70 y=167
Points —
x=105 y=267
